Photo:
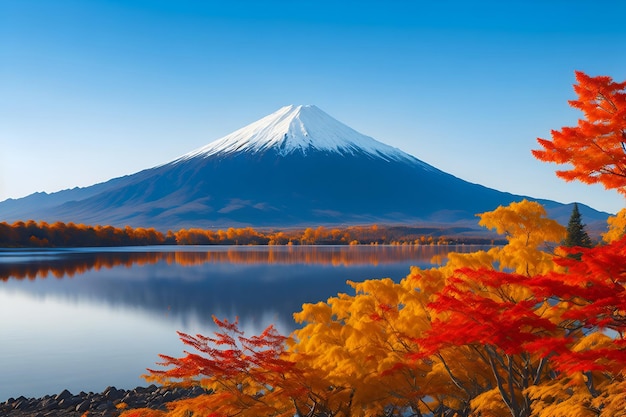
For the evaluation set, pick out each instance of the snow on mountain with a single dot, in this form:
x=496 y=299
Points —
x=299 y=128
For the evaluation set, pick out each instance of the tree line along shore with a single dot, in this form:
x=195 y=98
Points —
x=32 y=234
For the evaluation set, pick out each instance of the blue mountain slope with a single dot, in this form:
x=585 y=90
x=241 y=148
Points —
x=295 y=167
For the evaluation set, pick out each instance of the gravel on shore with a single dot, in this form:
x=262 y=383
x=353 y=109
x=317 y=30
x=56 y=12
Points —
x=104 y=404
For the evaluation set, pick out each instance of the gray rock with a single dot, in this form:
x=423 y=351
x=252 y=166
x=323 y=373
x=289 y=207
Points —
x=65 y=394
x=104 y=406
x=99 y=404
x=48 y=404
x=83 y=406
x=21 y=404
x=70 y=402
x=112 y=393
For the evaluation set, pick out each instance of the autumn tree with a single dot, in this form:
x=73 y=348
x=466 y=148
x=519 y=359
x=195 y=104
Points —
x=587 y=301
x=595 y=148
x=244 y=375
x=308 y=236
x=530 y=234
x=494 y=315
x=358 y=345
x=616 y=227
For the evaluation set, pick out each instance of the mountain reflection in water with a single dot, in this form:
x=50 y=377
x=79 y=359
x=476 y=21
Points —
x=199 y=282
x=83 y=319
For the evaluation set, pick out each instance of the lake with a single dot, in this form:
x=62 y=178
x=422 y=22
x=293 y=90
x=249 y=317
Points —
x=85 y=319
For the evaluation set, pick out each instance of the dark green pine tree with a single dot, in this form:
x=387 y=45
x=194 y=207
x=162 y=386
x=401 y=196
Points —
x=576 y=234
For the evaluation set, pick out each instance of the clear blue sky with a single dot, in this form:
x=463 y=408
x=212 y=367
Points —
x=91 y=90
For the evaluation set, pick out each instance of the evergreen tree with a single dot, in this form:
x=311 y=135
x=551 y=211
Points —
x=576 y=234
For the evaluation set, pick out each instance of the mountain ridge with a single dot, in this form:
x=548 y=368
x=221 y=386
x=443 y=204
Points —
x=297 y=166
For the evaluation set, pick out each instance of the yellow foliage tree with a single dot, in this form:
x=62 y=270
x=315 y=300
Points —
x=616 y=226
x=529 y=232
x=360 y=344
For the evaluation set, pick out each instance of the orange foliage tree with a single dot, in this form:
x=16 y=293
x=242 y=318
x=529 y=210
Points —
x=59 y=234
x=245 y=376
x=596 y=147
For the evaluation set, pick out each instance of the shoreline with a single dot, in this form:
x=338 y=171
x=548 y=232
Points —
x=108 y=403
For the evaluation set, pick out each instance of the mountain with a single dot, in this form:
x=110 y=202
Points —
x=296 y=167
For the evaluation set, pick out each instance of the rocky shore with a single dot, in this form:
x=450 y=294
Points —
x=104 y=404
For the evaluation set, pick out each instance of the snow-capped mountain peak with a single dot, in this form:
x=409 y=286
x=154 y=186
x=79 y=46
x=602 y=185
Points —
x=298 y=128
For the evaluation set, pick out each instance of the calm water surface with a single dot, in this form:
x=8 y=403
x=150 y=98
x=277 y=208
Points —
x=84 y=319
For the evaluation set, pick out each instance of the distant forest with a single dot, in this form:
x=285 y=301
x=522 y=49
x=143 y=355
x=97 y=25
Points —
x=33 y=234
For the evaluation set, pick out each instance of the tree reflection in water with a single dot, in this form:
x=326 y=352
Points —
x=249 y=282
